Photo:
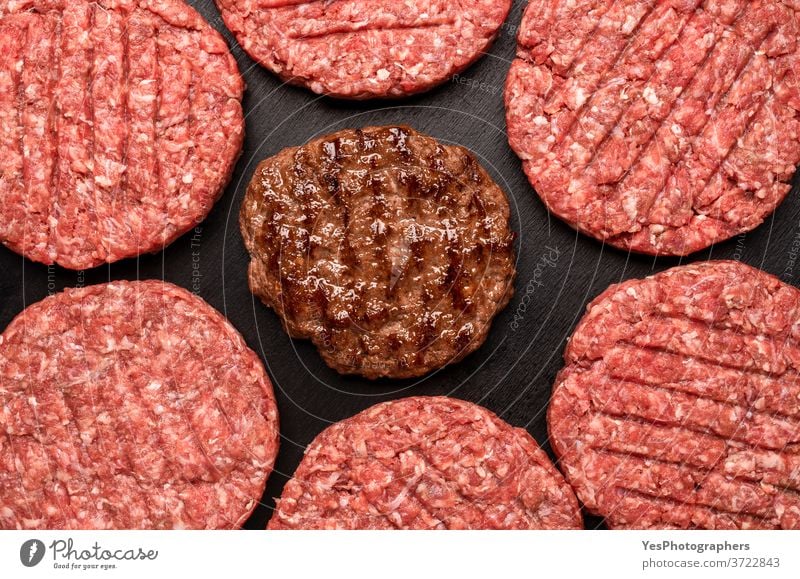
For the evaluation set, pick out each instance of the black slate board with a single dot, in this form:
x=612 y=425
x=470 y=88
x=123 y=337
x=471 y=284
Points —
x=512 y=373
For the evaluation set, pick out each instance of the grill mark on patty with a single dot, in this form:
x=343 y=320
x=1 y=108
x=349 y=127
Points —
x=665 y=443
x=130 y=454
x=19 y=127
x=440 y=477
x=76 y=224
x=33 y=454
x=596 y=153
x=665 y=414
x=276 y=4
x=699 y=385
x=580 y=52
x=633 y=170
x=90 y=212
x=192 y=122
x=767 y=522
x=632 y=202
x=37 y=146
x=764 y=354
x=87 y=413
x=14 y=31
x=553 y=17
x=157 y=136
x=380 y=248
x=738 y=78
x=676 y=516
x=712 y=51
x=430 y=469
x=80 y=447
x=147 y=405
x=55 y=136
x=634 y=41
x=649 y=421
x=339 y=28
x=679 y=402
x=172 y=127
x=37 y=405
x=602 y=75
x=23 y=492
x=398 y=468
x=134 y=394
x=92 y=140
x=750 y=412
x=19 y=92
x=108 y=78
x=698 y=470
x=121 y=193
x=731 y=149
x=663 y=314
x=696 y=488
x=140 y=154
x=109 y=454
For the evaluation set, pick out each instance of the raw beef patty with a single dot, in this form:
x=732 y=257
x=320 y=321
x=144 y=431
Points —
x=120 y=123
x=131 y=405
x=365 y=48
x=426 y=463
x=679 y=406
x=660 y=127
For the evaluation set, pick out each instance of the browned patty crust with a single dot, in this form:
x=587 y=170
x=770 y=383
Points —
x=389 y=250
x=426 y=463
x=662 y=126
x=131 y=405
x=679 y=406
x=120 y=124
x=365 y=48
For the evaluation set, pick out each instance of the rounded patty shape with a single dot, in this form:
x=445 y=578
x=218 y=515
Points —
x=390 y=251
x=426 y=463
x=365 y=48
x=131 y=405
x=679 y=406
x=120 y=124
x=660 y=127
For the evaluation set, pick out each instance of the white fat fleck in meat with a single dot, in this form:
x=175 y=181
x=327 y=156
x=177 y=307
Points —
x=650 y=96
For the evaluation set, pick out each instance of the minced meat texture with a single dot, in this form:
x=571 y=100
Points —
x=131 y=405
x=365 y=48
x=426 y=463
x=679 y=406
x=120 y=123
x=660 y=127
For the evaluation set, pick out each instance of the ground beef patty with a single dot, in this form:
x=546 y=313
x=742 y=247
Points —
x=120 y=122
x=680 y=402
x=131 y=405
x=390 y=251
x=365 y=48
x=661 y=126
x=426 y=463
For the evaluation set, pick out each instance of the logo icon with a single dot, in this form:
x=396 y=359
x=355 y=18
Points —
x=32 y=552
